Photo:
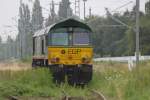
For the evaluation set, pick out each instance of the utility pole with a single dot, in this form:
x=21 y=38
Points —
x=84 y=8
x=137 y=31
x=77 y=8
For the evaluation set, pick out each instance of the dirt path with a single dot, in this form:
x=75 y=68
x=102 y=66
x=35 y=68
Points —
x=14 y=65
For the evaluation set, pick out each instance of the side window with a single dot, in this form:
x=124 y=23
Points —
x=33 y=45
x=42 y=47
x=46 y=40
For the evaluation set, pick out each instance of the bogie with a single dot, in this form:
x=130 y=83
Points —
x=75 y=75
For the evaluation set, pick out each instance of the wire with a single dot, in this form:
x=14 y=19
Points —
x=122 y=6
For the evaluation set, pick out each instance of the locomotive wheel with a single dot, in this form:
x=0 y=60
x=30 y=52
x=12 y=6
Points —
x=33 y=65
x=72 y=76
x=85 y=74
x=80 y=76
x=58 y=75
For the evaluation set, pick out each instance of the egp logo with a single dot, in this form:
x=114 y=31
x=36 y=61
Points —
x=71 y=51
x=74 y=51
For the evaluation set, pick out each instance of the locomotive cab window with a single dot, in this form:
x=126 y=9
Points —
x=81 y=39
x=60 y=39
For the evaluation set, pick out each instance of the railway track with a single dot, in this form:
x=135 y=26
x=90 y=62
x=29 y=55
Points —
x=98 y=95
x=29 y=98
x=67 y=97
x=95 y=95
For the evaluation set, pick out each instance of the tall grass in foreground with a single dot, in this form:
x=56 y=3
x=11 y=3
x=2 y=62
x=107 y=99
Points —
x=112 y=79
x=138 y=86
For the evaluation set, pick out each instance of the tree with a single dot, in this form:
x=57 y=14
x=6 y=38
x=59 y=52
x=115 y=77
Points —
x=37 y=17
x=52 y=17
x=1 y=50
x=24 y=28
x=145 y=35
x=49 y=21
x=9 y=47
x=65 y=10
x=107 y=39
x=0 y=40
x=147 y=8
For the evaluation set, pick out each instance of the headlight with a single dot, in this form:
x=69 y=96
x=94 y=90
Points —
x=55 y=60
x=85 y=60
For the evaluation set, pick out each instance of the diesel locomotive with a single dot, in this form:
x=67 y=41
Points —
x=65 y=47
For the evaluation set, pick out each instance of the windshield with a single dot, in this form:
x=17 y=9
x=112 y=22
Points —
x=60 y=39
x=81 y=39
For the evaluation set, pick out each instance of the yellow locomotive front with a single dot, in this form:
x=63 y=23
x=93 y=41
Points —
x=70 y=55
x=70 y=52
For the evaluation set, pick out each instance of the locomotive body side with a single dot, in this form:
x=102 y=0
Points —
x=40 y=45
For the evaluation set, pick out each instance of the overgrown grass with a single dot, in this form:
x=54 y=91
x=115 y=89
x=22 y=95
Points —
x=112 y=79
x=138 y=85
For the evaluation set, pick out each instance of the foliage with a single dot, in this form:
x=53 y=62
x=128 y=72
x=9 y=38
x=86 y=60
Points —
x=65 y=10
x=37 y=17
x=24 y=28
x=111 y=40
x=52 y=17
x=110 y=78
x=107 y=39
x=8 y=49
x=137 y=86
x=147 y=8
x=0 y=40
x=145 y=35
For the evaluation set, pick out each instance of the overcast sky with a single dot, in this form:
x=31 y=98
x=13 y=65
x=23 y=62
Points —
x=9 y=10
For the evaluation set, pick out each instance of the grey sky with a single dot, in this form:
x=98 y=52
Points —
x=9 y=10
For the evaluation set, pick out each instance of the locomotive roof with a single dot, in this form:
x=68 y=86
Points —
x=70 y=23
x=63 y=24
x=43 y=31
